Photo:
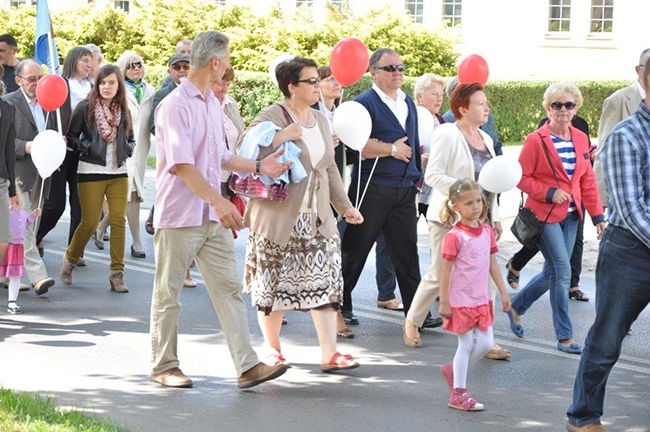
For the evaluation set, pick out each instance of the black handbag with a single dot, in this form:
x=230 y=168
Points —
x=527 y=227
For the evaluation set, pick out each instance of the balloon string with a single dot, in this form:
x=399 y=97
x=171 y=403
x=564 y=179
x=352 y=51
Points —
x=368 y=183
x=342 y=94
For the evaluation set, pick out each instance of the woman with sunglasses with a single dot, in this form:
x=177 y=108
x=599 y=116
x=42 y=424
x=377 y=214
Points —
x=293 y=255
x=140 y=99
x=558 y=179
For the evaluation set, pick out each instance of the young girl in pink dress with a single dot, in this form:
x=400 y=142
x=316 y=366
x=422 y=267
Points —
x=468 y=262
x=12 y=267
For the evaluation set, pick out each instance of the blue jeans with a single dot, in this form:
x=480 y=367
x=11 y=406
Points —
x=622 y=293
x=385 y=276
x=556 y=244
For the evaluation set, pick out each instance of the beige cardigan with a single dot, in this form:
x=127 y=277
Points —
x=275 y=220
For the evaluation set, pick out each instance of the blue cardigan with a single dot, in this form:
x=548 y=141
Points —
x=386 y=128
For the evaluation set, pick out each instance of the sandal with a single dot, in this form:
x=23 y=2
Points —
x=513 y=279
x=346 y=333
x=274 y=358
x=411 y=342
x=498 y=354
x=576 y=294
x=339 y=362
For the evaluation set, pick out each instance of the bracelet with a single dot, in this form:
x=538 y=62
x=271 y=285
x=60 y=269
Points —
x=258 y=165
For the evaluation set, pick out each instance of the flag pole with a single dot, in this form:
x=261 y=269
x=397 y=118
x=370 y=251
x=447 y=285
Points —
x=50 y=46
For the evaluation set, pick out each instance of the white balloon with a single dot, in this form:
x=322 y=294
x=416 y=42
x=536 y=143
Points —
x=500 y=174
x=352 y=124
x=48 y=152
x=274 y=63
x=425 y=125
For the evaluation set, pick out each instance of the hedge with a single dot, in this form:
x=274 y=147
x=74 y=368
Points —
x=516 y=105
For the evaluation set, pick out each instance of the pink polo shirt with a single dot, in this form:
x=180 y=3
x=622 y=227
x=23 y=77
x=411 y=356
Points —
x=189 y=130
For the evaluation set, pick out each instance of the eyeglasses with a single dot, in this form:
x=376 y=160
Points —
x=183 y=66
x=312 y=81
x=134 y=65
x=330 y=79
x=31 y=79
x=557 y=106
x=391 y=68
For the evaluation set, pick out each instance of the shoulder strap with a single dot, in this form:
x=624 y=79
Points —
x=548 y=157
x=287 y=116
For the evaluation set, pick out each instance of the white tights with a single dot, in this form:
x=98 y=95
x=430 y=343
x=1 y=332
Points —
x=14 y=288
x=471 y=346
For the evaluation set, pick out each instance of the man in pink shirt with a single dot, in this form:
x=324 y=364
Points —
x=193 y=221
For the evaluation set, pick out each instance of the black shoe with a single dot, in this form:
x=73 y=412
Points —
x=432 y=322
x=136 y=254
x=41 y=249
x=349 y=318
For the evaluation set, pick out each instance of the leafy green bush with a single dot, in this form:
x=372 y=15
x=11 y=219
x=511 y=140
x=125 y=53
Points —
x=516 y=105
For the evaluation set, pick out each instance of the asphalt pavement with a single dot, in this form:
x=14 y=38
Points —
x=89 y=348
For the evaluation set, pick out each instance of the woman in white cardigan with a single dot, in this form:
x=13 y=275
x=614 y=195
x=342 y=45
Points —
x=140 y=100
x=458 y=150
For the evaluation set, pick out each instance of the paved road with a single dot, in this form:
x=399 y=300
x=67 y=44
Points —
x=89 y=348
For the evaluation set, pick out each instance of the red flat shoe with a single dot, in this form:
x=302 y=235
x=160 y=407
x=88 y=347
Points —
x=339 y=362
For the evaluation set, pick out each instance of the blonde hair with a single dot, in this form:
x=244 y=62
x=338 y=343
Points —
x=19 y=195
x=425 y=82
x=448 y=216
x=557 y=90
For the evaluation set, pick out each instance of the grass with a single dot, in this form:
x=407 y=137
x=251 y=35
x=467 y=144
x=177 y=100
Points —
x=25 y=412
x=151 y=161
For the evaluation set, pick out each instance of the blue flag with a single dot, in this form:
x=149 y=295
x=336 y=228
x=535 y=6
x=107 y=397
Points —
x=43 y=29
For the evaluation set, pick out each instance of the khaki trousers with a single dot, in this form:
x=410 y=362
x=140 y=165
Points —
x=213 y=249
x=34 y=266
x=91 y=198
x=429 y=287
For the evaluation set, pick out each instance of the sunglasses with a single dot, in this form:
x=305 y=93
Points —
x=134 y=65
x=557 y=106
x=178 y=67
x=312 y=81
x=391 y=68
x=31 y=79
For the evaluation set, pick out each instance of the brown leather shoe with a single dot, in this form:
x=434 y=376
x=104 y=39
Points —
x=173 y=377
x=392 y=304
x=261 y=373
x=594 y=427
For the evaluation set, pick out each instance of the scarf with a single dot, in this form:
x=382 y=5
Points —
x=107 y=120
x=138 y=88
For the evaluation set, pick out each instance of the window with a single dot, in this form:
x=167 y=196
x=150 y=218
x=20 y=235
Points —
x=338 y=4
x=602 y=16
x=16 y=3
x=304 y=2
x=220 y=2
x=124 y=5
x=416 y=8
x=452 y=12
x=559 y=16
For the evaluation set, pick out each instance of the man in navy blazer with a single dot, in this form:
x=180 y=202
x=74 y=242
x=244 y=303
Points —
x=389 y=204
x=29 y=120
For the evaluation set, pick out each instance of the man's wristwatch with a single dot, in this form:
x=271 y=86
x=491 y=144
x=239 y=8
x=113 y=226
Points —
x=393 y=150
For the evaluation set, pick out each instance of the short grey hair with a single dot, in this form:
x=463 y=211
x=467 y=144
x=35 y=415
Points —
x=125 y=59
x=377 y=55
x=20 y=67
x=557 y=90
x=95 y=51
x=451 y=85
x=425 y=82
x=208 y=45
x=182 y=43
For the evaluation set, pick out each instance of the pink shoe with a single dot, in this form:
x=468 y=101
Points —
x=275 y=357
x=460 y=399
x=447 y=372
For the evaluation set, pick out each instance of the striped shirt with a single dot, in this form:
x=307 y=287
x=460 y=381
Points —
x=567 y=154
x=625 y=159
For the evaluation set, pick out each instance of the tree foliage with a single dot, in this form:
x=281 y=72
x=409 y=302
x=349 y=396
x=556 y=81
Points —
x=255 y=40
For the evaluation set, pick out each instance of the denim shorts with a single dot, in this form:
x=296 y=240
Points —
x=5 y=227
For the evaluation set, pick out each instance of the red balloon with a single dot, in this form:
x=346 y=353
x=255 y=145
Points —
x=51 y=92
x=473 y=69
x=349 y=61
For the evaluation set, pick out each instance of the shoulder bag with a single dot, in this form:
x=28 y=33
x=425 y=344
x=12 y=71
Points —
x=526 y=227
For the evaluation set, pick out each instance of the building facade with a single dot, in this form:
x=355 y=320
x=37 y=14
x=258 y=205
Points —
x=520 y=39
